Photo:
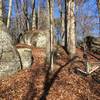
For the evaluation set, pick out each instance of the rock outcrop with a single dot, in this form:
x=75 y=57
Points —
x=9 y=57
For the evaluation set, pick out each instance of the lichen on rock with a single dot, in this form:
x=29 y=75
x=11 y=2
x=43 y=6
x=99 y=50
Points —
x=9 y=57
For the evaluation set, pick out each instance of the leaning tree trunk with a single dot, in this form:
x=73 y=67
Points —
x=9 y=58
x=9 y=13
x=71 y=48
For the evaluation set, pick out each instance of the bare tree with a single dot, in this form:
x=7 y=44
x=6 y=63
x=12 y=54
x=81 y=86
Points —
x=60 y=6
x=51 y=5
x=9 y=13
x=4 y=9
x=62 y=20
x=33 y=15
x=42 y=18
x=25 y=11
x=1 y=16
x=71 y=47
x=98 y=4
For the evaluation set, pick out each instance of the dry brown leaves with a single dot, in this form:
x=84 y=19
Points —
x=31 y=84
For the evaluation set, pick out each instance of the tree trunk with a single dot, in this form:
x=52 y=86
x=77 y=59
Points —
x=98 y=4
x=9 y=13
x=25 y=10
x=62 y=26
x=71 y=47
x=65 y=23
x=62 y=19
x=48 y=18
x=51 y=5
x=48 y=35
x=5 y=15
x=1 y=16
x=38 y=14
x=33 y=16
x=17 y=16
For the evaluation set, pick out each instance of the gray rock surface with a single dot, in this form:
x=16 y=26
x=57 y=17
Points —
x=9 y=57
x=35 y=39
x=26 y=57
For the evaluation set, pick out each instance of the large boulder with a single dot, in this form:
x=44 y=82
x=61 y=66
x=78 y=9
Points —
x=35 y=38
x=25 y=52
x=9 y=57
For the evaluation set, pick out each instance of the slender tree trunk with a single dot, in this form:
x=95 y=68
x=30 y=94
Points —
x=65 y=23
x=33 y=16
x=17 y=16
x=51 y=5
x=48 y=35
x=25 y=10
x=9 y=13
x=1 y=16
x=62 y=25
x=62 y=19
x=71 y=47
x=5 y=15
x=38 y=15
x=98 y=4
x=48 y=18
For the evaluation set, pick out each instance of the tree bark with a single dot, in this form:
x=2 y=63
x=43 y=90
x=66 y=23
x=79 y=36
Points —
x=62 y=19
x=1 y=16
x=51 y=4
x=65 y=23
x=25 y=10
x=9 y=13
x=33 y=16
x=38 y=15
x=50 y=37
x=98 y=4
x=71 y=47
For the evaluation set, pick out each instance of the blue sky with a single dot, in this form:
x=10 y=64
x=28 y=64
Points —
x=56 y=10
x=89 y=8
x=90 y=5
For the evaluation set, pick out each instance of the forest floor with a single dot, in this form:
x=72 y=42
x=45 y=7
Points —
x=37 y=83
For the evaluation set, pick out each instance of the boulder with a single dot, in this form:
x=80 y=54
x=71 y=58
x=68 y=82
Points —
x=41 y=40
x=25 y=53
x=9 y=57
x=35 y=39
